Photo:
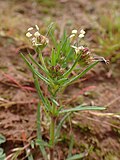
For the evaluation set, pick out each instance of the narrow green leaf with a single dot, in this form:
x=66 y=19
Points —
x=61 y=46
x=58 y=51
x=82 y=108
x=53 y=38
x=77 y=156
x=1 y=151
x=30 y=156
x=41 y=77
x=53 y=58
x=42 y=143
x=39 y=65
x=42 y=68
x=54 y=101
x=42 y=60
x=71 y=146
x=81 y=74
x=71 y=69
x=64 y=42
x=40 y=92
x=2 y=139
x=32 y=144
x=69 y=56
x=2 y=154
x=57 y=132
x=62 y=80
x=50 y=27
x=34 y=70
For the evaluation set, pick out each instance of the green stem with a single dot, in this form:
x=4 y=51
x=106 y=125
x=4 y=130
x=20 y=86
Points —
x=52 y=133
x=52 y=138
x=39 y=135
x=42 y=60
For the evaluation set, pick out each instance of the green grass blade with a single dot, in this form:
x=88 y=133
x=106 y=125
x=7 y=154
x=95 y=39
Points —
x=77 y=156
x=82 y=108
x=71 y=146
x=42 y=143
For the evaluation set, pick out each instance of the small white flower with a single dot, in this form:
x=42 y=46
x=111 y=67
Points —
x=82 y=31
x=81 y=47
x=37 y=34
x=77 y=49
x=33 y=39
x=36 y=38
x=31 y=28
x=81 y=35
x=74 y=31
x=72 y=35
x=37 y=27
x=28 y=34
x=47 y=40
x=37 y=44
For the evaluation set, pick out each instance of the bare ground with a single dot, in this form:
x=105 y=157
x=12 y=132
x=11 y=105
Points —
x=18 y=99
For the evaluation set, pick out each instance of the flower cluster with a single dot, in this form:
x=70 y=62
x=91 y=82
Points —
x=56 y=70
x=78 y=49
x=74 y=33
x=75 y=37
x=85 y=56
x=36 y=38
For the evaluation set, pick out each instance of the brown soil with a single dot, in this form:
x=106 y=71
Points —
x=99 y=131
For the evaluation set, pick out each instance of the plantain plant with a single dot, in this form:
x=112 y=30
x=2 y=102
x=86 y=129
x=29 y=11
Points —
x=56 y=71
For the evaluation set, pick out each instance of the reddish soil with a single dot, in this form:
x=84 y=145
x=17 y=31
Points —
x=99 y=131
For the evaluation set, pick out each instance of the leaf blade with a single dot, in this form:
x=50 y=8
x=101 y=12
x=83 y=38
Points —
x=82 y=108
